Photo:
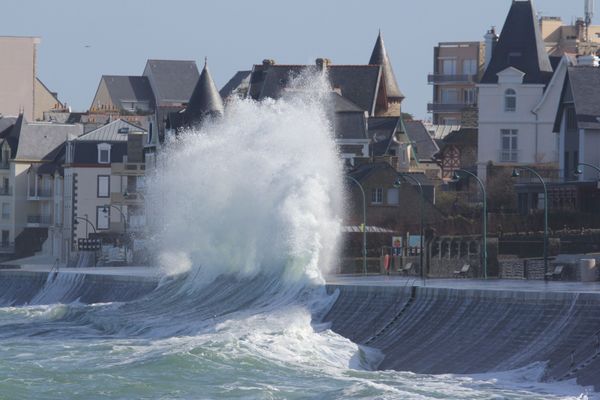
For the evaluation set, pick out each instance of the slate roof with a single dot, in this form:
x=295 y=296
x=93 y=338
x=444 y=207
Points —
x=357 y=83
x=364 y=170
x=240 y=80
x=424 y=145
x=6 y=125
x=42 y=141
x=350 y=125
x=86 y=152
x=584 y=83
x=129 y=88
x=381 y=130
x=172 y=80
x=380 y=57
x=115 y=131
x=520 y=46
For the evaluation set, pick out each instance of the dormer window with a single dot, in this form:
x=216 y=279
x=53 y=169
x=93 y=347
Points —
x=104 y=153
x=510 y=100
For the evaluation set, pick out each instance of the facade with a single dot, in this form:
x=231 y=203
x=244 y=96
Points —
x=518 y=97
x=457 y=68
x=90 y=161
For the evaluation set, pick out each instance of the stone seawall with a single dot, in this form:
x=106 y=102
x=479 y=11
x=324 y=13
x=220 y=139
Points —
x=33 y=287
x=436 y=330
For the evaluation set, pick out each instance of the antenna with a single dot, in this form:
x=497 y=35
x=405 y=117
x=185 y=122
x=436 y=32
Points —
x=589 y=12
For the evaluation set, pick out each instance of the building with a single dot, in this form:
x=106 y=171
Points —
x=518 y=97
x=96 y=179
x=21 y=91
x=580 y=38
x=457 y=68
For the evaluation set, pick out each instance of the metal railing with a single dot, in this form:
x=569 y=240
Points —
x=449 y=107
x=39 y=219
x=5 y=191
x=508 y=156
x=441 y=78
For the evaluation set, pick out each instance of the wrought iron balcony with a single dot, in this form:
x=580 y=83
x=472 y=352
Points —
x=449 y=107
x=441 y=79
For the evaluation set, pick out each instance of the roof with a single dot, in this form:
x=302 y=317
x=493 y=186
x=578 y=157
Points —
x=41 y=141
x=585 y=89
x=172 y=81
x=357 y=83
x=381 y=130
x=115 y=131
x=6 y=125
x=86 y=152
x=350 y=125
x=204 y=100
x=441 y=131
x=240 y=80
x=364 y=170
x=129 y=88
x=380 y=57
x=424 y=145
x=520 y=46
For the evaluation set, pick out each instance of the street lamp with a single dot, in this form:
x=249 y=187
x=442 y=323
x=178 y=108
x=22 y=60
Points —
x=88 y=222
x=364 y=250
x=105 y=211
x=399 y=183
x=516 y=173
x=579 y=170
x=456 y=177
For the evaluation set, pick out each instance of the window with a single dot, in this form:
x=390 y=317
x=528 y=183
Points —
x=103 y=186
x=5 y=210
x=509 y=151
x=377 y=196
x=393 y=196
x=449 y=96
x=102 y=217
x=469 y=96
x=104 y=153
x=449 y=67
x=510 y=100
x=470 y=67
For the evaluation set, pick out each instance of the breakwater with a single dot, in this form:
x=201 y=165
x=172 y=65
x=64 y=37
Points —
x=465 y=331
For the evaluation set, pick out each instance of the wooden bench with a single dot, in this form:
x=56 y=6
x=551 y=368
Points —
x=406 y=269
x=464 y=271
x=555 y=274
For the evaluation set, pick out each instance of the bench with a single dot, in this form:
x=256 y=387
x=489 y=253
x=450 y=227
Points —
x=464 y=271
x=555 y=274
x=406 y=269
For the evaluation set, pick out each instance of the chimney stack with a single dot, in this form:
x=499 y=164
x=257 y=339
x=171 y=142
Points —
x=491 y=38
x=322 y=63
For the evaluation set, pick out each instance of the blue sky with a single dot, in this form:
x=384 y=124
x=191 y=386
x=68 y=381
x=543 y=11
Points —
x=234 y=34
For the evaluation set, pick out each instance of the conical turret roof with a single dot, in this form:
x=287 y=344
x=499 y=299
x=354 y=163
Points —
x=520 y=46
x=380 y=57
x=205 y=99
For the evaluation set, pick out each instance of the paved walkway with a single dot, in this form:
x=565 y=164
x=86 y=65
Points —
x=473 y=284
x=122 y=271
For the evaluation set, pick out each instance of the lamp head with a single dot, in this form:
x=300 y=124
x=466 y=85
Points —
x=398 y=183
x=125 y=194
x=455 y=177
x=516 y=173
x=578 y=172
x=105 y=209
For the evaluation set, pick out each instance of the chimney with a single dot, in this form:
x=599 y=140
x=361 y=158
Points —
x=580 y=29
x=490 y=43
x=322 y=63
x=588 y=61
x=268 y=61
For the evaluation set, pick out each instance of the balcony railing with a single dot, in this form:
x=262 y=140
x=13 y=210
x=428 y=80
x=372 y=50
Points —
x=41 y=193
x=5 y=191
x=7 y=248
x=448 y=79
x=449 y=107
x=39 y=219
x=4 y=165
x=508 y=156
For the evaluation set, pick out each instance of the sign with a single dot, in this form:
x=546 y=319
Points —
x=89 y=244
x=397 y=245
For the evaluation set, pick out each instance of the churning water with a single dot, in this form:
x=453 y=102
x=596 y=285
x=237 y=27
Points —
x=248 y=211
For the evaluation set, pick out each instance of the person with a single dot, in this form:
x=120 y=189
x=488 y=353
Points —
x=386 y=263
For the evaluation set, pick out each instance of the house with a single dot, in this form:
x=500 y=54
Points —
x=458 y=150
x=578 y=126
x=91 y=177
x=518 y=97
x=35 y=185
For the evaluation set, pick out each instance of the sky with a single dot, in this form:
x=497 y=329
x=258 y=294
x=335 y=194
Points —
x=81 y=40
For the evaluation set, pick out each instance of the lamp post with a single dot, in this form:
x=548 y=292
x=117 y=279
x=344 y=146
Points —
x=456 y=177
x=364 y=249
x=105 y=210
x=397 y=184
x=579 y=171
x=516 y=173
x=88 y=222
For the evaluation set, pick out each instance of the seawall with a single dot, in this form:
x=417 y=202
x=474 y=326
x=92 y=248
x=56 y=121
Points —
x=40 y=287
x=436 y=330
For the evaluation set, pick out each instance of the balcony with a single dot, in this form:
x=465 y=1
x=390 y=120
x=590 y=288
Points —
x=7 y=248
x=4 y=166
x=128 y=199
x=39 y=220
x=5 y=191
x=449 y=107
x=441 y=79
x=128 y=169
x=39 y=194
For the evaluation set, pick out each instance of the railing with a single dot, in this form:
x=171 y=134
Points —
x=39 y=219
x=4 y=165
x=449 y=107
x=5 y=191
x=441 y=78
x=41 y=193
x=508 y=156
x=7 y=247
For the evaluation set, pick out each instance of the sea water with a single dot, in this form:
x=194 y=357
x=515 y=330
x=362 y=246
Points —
x=246 y=214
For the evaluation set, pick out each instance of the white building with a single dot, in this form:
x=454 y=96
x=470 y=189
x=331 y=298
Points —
x=518 y=97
